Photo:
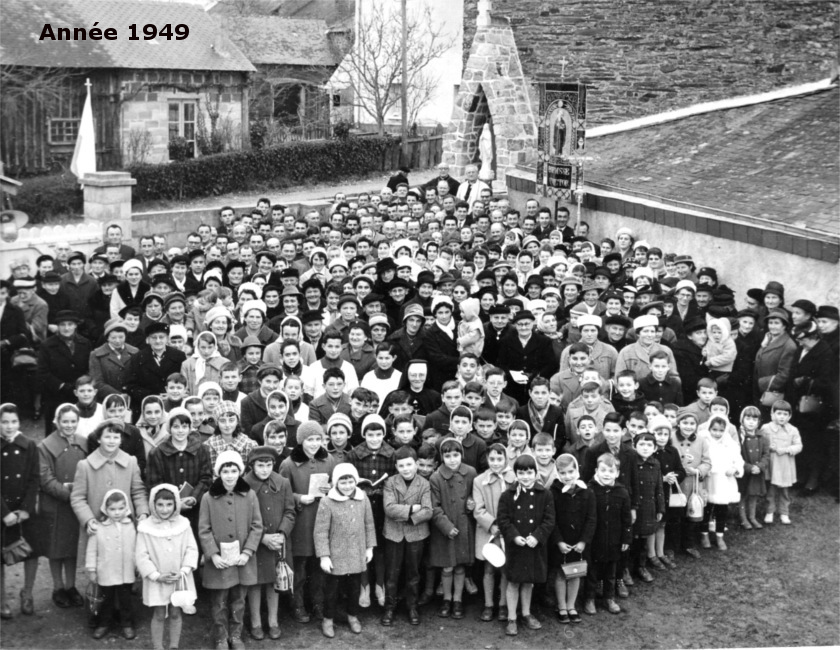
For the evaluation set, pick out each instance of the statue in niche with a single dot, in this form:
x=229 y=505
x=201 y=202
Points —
x=485 y=152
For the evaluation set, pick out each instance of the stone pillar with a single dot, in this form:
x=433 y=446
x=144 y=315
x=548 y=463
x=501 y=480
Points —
x=108 y=200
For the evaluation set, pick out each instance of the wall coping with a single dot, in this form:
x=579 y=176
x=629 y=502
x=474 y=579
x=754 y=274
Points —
x=108 y=179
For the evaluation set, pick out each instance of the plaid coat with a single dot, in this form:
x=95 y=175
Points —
x=241 y=443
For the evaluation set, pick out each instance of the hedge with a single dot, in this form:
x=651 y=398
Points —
x=290 y=163
x=45 y=197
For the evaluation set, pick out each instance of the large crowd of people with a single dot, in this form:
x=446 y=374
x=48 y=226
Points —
x=416 y=393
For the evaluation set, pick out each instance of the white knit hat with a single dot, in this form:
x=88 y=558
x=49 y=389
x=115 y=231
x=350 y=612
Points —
x=229 y=456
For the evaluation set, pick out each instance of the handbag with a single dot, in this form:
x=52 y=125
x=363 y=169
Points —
x=24 y=359
x=572 y=570
x=677 y=498
x=810 y=403
x=696 y=505
x=17 y=551
x=494 y=553
x=183 y=597
x=284 y=577
x=770 y=397
x=94 y=597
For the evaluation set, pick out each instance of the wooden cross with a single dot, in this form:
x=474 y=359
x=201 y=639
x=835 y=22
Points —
x=563 y=63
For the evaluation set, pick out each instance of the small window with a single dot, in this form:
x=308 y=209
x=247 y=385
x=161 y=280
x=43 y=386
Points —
x=64 y=130
x=182 y=122
x=336 y=100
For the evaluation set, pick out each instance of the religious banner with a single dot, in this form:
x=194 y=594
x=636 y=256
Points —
x=561 y=139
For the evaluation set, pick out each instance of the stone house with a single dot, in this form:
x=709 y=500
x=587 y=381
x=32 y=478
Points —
x=145 y=93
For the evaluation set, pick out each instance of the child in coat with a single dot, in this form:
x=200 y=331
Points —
x=277 y=437
x=407 y=499
x=229 y=529
x=694 y=455
x=339 y=427
x=452 y=543
x=651 y=501
x=526 y=519
x=487 y=489
x=672 y=475
x=785 y=443
x=109 y=561
x=374 y=461
x=518 y=436
x=719 y=352
x=344 y=541
x=308 y=459
x=574 y=527
x=470 y=329
x=755 y=450
x=152 y=423
x=613 y=532
x=722 y=482
x=166 y=555
x=277 y=509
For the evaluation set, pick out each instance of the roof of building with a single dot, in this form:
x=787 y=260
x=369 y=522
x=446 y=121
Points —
x=282 y=41
x=336 y=13
x=244 y=7
x=775 y=160
x=206 y=47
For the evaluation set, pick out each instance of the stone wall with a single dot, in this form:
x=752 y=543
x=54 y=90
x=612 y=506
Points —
x=493 y=88
x=146 y=97
x=640 y=57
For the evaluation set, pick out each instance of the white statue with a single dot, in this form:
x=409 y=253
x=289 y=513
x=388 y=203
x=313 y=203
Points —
x=485 y=150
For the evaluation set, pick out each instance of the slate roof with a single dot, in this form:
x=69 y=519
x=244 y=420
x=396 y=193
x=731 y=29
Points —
x=776 y=160
x=23 y=21
x=282 y=41
x=249 y=7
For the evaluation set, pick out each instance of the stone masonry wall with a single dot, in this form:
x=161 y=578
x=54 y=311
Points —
x=493 y=85
x=147 y=94
x=640 y=57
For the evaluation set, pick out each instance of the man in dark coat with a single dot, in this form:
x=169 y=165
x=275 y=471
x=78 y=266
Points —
x=688 y=354
x=494 y=332
x=150 y=367
x=409 y=338
x=440 y=347
x=812 y=374
x=62 y=359
x=525 y=354
x=14 y=335
x=78 y=285
x=443 y=175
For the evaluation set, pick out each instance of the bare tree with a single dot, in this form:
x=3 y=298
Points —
x=30 y=84
x=372 y=67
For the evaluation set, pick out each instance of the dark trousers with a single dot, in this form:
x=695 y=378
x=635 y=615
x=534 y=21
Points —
x=813 y=461
x=308 y=576
x=402 y=558
x=346 y=587
x=605 y=571
x=689 y=533
x=717 y=511
x=110 y=595
x=228 y=610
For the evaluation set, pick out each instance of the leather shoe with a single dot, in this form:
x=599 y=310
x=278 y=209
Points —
x=693 y=552
x=355 y=625
x=656 y=563
x=301 y=615
x=621 y=589
x=129 y=633
x=532 y=622
x=446 y=609
x=589 y=608
x=274 y=632
x=704 y=541
x=457 y=609
x=237 y=644
x=424 y=599
x=27 y=604
x=222 y=645
x=612 y=606
x=668 y=562
x=257 y=633
x=486 y=615
x=5 y=612
x=99 y=632
x=503 y=613
x=61 y=598
x=645 y=575
x=327 y=628
x=756 y=524
x=574 y=617
x=563 y=617
x=387 y=619
x=628 y=579
x=76 y=599
x=511 y=630
x=413 y=616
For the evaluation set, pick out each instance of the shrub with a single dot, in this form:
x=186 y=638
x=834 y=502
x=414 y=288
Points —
x=180 y=149
x=43 y=197
x=296 y=162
